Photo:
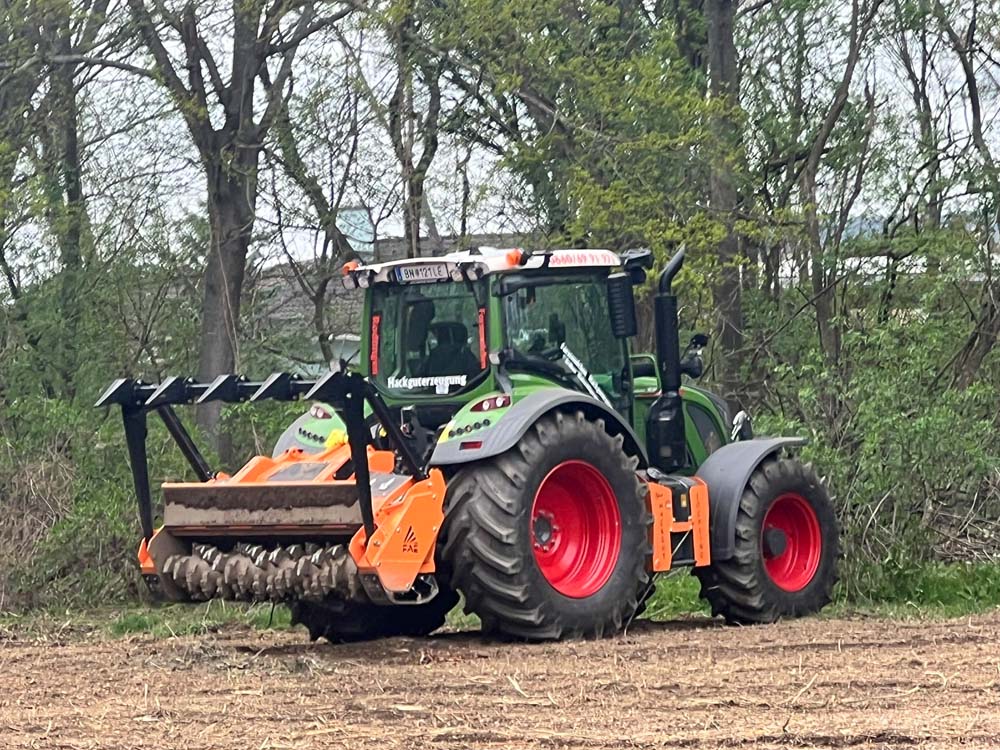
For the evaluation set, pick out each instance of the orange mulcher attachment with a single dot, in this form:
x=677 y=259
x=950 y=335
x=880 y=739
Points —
x=309 y=500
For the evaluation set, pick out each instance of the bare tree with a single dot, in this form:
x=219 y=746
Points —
x=47 y=47
x=228 y=124
x=407 y=129
x=724 y=196
x=823 y=273
x=986 y=328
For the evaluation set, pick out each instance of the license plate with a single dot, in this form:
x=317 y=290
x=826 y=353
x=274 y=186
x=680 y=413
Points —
x=422 y=272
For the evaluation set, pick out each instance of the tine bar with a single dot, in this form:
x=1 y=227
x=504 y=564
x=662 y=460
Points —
x=173 y=390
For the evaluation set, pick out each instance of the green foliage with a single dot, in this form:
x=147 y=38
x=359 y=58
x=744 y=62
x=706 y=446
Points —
x=187 y=619
x=613 y=115
x=676 y=595
x=901 y=587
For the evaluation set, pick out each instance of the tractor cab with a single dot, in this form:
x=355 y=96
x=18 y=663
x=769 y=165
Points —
x=444 y=331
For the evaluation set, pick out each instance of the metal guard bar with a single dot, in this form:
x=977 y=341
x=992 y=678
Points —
x=345 y=392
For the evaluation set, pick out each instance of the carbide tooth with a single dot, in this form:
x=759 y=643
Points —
x=276 y=585
x=277 y=556
x=296 y=551
x=286 y=581
x=192 y=576
x=219 y=563
x=322 y=556
x=212 y=555
x=258 y=583
x=273 y=585
x=179 y=570
x=311 y=548
x=328 y=580
x=304 y=568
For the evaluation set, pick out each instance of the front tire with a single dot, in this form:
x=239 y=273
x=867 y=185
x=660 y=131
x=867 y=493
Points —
x=550 y=539
x=339 y=621
x=787 y=545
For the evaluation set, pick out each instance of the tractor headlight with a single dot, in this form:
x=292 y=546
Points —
x=318 y=412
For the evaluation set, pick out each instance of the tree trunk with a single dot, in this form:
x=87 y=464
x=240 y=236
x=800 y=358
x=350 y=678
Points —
x=232 y=192
x=71 y=224
x=724 y=196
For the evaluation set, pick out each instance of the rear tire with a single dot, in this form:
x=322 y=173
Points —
x=351 y=622
x=786 y=548
x=550 y=539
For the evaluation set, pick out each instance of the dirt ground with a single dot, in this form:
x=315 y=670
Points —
x=693 y=684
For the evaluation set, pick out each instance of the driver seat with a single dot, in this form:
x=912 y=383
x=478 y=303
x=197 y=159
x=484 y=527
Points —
x=451 y=354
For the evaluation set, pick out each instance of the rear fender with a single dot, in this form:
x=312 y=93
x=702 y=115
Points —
x=473 y=436
x=726 y=472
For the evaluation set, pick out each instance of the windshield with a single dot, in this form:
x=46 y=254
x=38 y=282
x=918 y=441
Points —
x=426 y=338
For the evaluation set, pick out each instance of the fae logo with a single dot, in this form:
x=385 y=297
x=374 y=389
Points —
x=410 y=542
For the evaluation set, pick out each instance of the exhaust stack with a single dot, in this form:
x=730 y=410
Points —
x=665 y=422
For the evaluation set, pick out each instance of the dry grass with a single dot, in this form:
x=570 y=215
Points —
x=33 y=498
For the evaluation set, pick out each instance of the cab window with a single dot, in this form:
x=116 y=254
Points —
x=552 y=322
x=427 y=338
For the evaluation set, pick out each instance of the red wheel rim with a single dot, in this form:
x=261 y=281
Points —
x=575 y=529
x=793 y=567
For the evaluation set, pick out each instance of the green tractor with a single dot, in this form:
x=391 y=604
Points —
x=498 y=440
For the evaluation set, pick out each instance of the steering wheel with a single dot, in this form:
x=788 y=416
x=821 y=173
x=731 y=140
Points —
x=552 y=354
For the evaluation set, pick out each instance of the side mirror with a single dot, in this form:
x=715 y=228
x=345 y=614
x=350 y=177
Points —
x=621 y=306
x=691 y=363
x=742 y=427
x=636 y=262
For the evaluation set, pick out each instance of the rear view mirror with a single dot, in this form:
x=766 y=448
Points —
x=691 y=363
x=621 y=305
x=636 y=262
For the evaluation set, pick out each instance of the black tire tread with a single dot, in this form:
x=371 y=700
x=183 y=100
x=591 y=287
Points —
x=480 y=529
x=738 y=588
x=351 y=622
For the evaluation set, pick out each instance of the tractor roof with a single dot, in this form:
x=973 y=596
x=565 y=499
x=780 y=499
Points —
x=474 y=264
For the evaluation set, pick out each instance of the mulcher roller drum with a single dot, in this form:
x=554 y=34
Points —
x=251 y=572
